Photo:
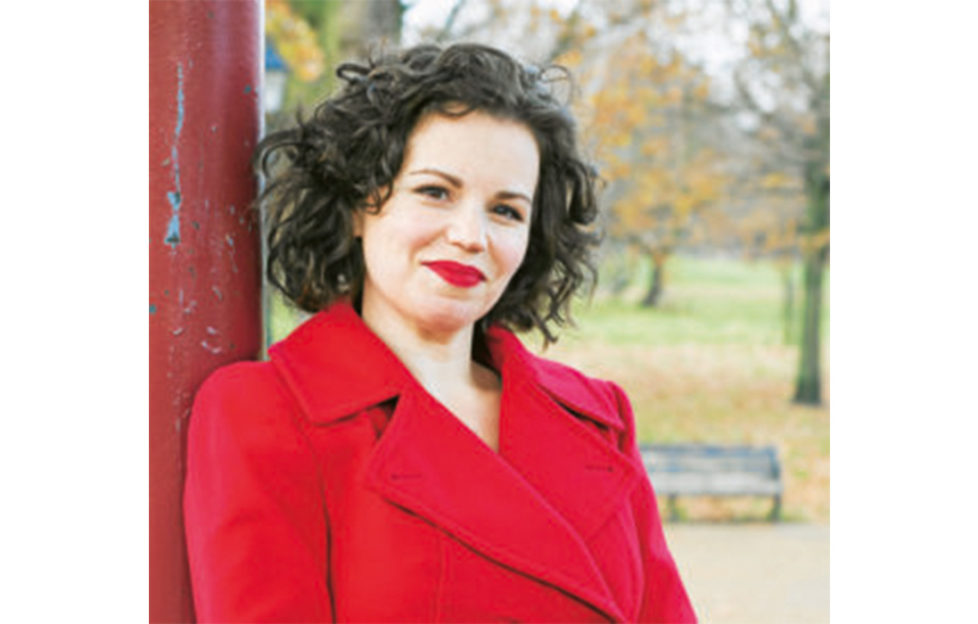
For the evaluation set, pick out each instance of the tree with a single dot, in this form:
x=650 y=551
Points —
x=315 y=36
x=761 y=212
x=782 y=81
x=650 y=129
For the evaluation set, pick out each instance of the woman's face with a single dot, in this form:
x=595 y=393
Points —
x=443 y=247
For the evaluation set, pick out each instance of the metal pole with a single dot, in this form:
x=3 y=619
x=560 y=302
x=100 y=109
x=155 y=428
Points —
x=205 y=254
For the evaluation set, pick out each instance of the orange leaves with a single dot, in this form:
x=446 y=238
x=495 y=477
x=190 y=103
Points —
x=814 y=242
x=645 y=127
x=808 y=124
x=684 y=205
x=778 y=180
x=702 y=90
x=647 y=64
x=655 y=146
x=635 y=113
x=295 y=40
x=673 y=95
x=570 y=59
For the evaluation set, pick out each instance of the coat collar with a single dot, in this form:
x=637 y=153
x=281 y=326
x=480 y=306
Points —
x=335 y=366
x=536 y=504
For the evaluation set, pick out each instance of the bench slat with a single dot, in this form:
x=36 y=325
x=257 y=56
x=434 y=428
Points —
x=702 y=464
x=713 y=470
x=720 y=484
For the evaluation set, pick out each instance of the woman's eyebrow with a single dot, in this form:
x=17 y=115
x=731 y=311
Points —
x=514 y=195
x=454 y=181
x=457 y=182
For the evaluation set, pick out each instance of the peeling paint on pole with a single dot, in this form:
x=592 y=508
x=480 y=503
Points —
x=175 y=196
x=205 y=267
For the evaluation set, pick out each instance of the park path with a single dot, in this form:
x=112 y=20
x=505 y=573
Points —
x=754 y=573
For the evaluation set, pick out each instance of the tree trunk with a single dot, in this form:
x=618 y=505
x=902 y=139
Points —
x=654 y=293
x=808 y=386
x=620 y=275
x=788 y=299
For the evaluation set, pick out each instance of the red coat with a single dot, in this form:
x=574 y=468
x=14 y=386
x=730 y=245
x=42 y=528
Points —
x=326 y=484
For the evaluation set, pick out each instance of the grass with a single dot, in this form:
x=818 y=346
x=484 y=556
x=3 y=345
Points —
x=706 y=301
x=710 y=365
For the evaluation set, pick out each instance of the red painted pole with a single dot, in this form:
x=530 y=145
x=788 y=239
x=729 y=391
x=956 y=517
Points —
x=205 y=252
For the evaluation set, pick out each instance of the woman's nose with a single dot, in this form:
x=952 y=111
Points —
x=467 y=228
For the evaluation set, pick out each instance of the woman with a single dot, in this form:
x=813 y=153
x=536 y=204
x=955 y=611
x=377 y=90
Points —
x=402 y=457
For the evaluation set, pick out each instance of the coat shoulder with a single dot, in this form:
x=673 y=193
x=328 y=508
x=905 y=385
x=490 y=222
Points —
x=245 y=401
x=594 y=397
x=242 y=386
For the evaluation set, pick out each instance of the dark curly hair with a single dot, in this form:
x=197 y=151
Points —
x=345 y=156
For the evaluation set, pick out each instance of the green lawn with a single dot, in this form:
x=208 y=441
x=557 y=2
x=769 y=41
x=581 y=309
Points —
x=705 y=302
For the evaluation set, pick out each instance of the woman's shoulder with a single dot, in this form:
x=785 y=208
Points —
x=246 y=395
x=241 y=384
x=599 y=398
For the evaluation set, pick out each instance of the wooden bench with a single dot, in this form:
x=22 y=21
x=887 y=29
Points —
x=713 y=470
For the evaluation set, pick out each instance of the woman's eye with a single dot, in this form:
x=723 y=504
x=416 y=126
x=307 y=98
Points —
x=434 y=192
x=507 y=211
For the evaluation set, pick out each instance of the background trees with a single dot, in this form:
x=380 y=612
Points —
x=314 y=36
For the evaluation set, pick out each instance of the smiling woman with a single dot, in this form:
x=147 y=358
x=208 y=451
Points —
x=443 y=248
x=402 y=457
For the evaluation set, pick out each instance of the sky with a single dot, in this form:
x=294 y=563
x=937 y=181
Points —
x=433 y=12
x=714 y=42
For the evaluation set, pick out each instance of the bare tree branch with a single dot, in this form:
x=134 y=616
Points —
x=785 y=31
x=446 y=29
x=768 y=117
x=568 y=38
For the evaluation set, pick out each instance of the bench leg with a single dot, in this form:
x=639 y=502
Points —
x=673 y=514
x=775 y=515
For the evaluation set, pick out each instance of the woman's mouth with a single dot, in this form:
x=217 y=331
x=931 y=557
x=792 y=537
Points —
x=455 y=273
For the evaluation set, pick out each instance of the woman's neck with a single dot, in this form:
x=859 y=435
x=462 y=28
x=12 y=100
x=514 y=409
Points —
x=440 y=361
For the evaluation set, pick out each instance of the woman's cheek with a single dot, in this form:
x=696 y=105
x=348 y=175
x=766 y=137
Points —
x=516 y=251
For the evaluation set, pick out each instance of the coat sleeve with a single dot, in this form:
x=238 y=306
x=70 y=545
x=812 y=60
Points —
x=257 y=533
x=664 y=597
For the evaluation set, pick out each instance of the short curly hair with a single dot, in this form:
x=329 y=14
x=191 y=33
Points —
x=346 y=155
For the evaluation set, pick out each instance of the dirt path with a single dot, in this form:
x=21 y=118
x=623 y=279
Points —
x=754 y=574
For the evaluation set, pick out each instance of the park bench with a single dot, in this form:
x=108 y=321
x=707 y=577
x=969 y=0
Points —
x=713 y=470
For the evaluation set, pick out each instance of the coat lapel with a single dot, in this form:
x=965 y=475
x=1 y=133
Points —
x=335 y=366
x=582 y=475
x=431 y=464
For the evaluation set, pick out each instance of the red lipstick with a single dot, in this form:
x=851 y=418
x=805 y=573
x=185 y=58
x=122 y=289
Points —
x=456 y=274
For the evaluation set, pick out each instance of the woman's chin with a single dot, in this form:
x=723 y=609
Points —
x=448 y=316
